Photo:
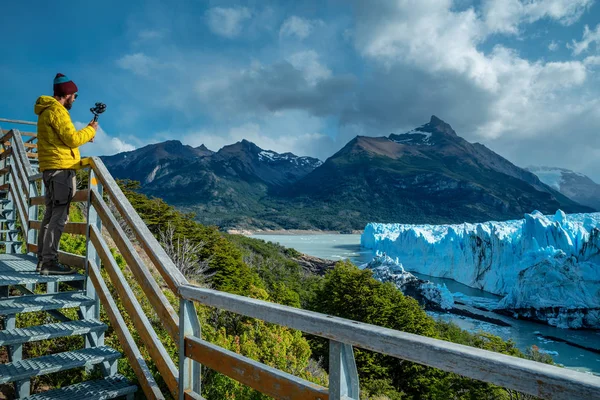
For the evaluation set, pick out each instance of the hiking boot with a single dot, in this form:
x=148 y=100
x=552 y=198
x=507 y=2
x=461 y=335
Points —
x=55 y=268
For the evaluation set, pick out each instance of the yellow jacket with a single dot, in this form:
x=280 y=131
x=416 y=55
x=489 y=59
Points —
x=57 y=139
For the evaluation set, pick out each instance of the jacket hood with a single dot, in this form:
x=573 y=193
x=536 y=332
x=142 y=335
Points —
x=44 y=102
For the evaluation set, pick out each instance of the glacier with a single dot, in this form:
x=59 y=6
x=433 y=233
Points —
x=547 y=268
x=433 y=295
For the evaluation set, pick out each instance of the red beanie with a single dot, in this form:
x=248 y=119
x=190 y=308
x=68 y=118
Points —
x=63 y=86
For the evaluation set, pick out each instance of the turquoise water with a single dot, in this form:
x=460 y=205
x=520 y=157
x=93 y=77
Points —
x=338 y=247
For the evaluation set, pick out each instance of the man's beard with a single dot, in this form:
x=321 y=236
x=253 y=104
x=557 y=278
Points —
x=68 y=105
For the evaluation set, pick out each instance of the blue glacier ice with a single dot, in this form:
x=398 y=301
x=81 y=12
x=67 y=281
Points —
x=546 y=267
x=387 y=269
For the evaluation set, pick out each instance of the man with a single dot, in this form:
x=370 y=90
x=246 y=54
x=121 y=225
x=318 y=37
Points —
x=58 y=155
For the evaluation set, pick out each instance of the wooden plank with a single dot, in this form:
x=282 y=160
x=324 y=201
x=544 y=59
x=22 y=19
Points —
x=80 y=196
x=7 y=135
x=25 y=144
x=5 y=170
x=130 y=348
x=5 y=154
x=32 y=155
x=537 y=379
x=71 y=259
x=265 y=379
x=143 y=276
x=75 y=228
x=189 y=395
x=165 y=266
x=157 y=350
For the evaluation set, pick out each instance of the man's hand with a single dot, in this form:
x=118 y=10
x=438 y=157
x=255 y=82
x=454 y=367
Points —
x=93 y=124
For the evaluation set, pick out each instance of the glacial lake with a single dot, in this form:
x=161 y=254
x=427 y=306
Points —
x=523 y=333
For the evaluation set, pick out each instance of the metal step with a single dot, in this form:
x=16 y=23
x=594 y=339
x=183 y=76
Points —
x=11 y=278
x=103 y=389
x=50 y=331
x=25 y=369
x=55 y=301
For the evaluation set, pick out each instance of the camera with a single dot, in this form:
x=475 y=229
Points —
x=98 y=109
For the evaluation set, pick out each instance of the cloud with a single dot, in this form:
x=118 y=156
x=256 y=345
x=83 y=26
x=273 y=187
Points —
x=294 y=131
x=553 y=46
x=259 y=89
x=589 y=37
x=138 y=63
x=227 y=22
x=104 y=144
x=299 y=27
x=150 y=34
x=592 y=61
x=505 y=16
x=308 y=62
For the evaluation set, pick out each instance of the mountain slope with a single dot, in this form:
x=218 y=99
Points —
x=428 y=175
x=572 y=184
x=225 y=188
x=153 y=161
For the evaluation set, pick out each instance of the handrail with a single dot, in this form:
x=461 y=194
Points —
x=542 y=380
x=157 y=350
x=154 y=294
x=522 y=375
x=173 y=277
x=149 y=385
x=17 y=121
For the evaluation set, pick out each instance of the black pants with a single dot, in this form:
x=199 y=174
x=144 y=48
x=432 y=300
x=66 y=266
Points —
x=60 y=188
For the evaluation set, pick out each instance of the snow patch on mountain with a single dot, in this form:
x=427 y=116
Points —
x=416 y=137
x=546 y=267
x=271 y=156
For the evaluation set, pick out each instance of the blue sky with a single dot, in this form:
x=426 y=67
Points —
x=520 y=76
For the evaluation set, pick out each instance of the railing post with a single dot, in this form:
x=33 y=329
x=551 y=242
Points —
x=189 y=370
x=93 y=311
x=343 y=376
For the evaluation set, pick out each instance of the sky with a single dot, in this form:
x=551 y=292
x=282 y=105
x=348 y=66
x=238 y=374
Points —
x=519 y=76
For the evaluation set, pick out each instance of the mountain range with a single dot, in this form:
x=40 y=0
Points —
x=574 y=185
x=427 y=175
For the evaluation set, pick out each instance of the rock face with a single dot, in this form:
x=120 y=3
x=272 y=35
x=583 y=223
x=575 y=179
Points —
x=547 y=268
x=314 y=265
x=430 y=295
x=572 y=184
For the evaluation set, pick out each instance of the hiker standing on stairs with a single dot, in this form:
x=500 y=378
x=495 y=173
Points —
x=58 y=155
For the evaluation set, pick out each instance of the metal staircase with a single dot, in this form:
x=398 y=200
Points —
x=22 y=290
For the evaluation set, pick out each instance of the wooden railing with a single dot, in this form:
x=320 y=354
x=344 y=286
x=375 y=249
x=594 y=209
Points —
x=183 y=380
